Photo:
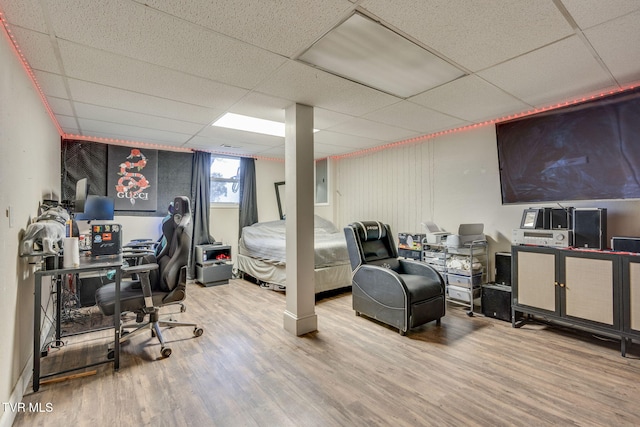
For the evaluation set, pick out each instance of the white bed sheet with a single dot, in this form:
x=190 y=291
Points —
x=326 y=278
x=267 y=241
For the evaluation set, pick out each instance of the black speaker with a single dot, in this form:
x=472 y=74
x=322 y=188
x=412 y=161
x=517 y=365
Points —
x=626 y=244
x=561 y=218
x=590 y=228
x=503 y=268
x=496 y=302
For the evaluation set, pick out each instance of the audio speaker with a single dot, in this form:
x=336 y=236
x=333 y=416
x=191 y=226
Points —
x=496 y=301
x=626 y=244
x=590 y=228
x=503 y=268
x=561 y=218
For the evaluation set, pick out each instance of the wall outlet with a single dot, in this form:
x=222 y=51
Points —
x=10 y=216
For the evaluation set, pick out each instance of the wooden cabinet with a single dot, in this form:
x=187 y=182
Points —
x=585 y=289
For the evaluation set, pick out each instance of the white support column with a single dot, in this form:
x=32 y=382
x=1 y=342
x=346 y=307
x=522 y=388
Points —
x=299 y=316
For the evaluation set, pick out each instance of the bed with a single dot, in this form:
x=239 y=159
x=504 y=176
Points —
x=262 y=255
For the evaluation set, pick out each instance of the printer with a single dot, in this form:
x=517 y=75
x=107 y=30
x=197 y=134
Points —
x=435 y=235
x=467 y=234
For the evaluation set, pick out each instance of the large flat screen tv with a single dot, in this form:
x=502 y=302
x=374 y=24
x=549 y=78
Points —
x=589 y=151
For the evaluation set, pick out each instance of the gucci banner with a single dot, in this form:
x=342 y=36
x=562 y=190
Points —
x=132 y=178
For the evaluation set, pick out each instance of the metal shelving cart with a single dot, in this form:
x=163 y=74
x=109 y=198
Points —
x=464 y=269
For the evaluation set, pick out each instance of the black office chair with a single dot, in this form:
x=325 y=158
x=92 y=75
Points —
x=160 y=281
x=398 y=292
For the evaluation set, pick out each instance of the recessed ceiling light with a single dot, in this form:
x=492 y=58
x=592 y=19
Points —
x=251 y=124
x=364 y=51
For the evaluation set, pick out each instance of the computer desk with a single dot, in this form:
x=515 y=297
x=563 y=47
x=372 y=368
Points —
x=87 y=264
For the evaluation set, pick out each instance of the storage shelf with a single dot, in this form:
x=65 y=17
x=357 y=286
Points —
x=463 y=284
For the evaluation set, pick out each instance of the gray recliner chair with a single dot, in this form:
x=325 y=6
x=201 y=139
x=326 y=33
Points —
x=398 y=292
x=157 y=281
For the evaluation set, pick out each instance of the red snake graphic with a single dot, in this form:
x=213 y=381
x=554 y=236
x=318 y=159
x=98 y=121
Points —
x=130 y=183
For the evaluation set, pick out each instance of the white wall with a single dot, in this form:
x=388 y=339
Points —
x=29 y=169
x=450 y=180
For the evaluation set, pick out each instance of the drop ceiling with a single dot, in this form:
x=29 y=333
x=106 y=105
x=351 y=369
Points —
x=161 y=72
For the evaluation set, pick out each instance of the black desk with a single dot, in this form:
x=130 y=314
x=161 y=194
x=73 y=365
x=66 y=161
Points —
x=87 y=264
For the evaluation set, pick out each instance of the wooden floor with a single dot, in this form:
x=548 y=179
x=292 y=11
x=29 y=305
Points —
x=246 y=370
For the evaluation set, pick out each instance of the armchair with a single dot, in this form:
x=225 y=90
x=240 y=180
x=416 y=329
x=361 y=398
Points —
x=156 y=281
x=398 y=292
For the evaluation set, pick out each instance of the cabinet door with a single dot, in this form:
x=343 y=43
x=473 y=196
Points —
x=536 y=278
x=589 y=289
x=634 y=295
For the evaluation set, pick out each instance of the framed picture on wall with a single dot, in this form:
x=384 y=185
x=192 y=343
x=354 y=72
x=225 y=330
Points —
x=132 y=178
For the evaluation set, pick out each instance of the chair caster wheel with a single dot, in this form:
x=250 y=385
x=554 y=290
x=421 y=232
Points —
x=183 y=308
x=198 y=332
x=166 y=352
x=470 y=313
x=357 y=313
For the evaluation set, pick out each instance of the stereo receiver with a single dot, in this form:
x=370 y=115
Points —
x=554 y=238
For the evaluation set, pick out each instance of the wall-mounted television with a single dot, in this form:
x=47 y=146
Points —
x=588 y=151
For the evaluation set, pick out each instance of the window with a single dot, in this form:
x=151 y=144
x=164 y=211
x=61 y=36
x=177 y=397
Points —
x=225 y=179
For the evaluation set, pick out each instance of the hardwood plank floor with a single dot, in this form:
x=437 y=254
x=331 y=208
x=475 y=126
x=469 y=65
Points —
x=246 y=370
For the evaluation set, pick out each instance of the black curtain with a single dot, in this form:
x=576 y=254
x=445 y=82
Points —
x=248 y=206
x=200 y=198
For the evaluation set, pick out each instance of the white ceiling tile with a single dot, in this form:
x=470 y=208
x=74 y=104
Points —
x=476 y=35
x=60 y=106
x=221 y=146
x=132 y=133
x=277 y=153
x=278 y=26
x=66 y=122
x=411 y=116
x=306 y=85
x=51 y=84
x=126 y=73
x=237 y=137
x=38 y=50
x=617 y=43
x=271 y=108
x=262 y=106
x=469 y=98
x=555 y=73
x=324 y=119
x=112 y=115
x=321 y=149
x=340 y=139
x=25 y=13
x=588 y=13
x=374 y=130
x=134 y=30
x=110 y=137
x=92 y=93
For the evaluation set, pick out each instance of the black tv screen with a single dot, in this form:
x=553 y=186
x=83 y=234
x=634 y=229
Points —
x=589 y=151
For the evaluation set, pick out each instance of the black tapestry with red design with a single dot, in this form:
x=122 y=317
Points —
x=132 y=178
